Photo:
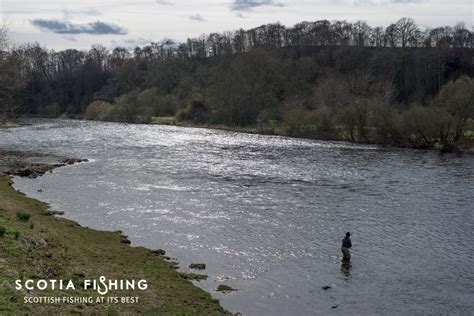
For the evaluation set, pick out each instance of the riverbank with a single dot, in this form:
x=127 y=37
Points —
x=171 y=120
x=36 y=244
x=466 y=147
x=7 y=124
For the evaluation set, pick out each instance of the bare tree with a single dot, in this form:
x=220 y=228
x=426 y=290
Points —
x=361 y=31
x=377 y=37
x=342 y=31
x=441 y=36
x=9 y=75
x=391 y=35
x=407 y=30
x=3 y=37
x=461 y=35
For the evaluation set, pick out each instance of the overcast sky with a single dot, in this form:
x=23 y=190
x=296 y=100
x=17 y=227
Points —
x=60 y=24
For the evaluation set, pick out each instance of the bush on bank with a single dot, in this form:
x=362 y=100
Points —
x=133 y=107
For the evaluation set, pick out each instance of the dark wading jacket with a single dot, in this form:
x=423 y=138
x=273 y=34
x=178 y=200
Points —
x=346 y=242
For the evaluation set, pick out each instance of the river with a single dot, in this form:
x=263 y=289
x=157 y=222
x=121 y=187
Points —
x=267 y=214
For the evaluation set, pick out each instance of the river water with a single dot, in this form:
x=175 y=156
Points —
x=267 y=214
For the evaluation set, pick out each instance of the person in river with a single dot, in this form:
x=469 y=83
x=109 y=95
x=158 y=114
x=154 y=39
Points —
x=346 y=245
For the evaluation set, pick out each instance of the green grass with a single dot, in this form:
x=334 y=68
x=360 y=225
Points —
x=23 y=216
x=48 y=247
x=164 y=120
x=469 y=135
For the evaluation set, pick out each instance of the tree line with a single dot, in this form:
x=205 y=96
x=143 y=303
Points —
x=403 y=33
x=331 y=80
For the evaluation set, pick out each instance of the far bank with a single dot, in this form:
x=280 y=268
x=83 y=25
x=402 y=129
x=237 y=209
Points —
x=465 y=146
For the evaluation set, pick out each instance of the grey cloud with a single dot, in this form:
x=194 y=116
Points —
x=70 y=38
x=385 y=2
x=86 y=11
x=165 y=2
x=246 y=5
x=197 y=17
x=406 y=1
x=66 y=27
x=131 y=43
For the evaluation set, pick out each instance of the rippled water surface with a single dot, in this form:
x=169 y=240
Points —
x=267 y=214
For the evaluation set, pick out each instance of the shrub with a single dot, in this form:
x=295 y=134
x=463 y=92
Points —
x=3 y=230
x=427 y=125
x=17 y=235
x=387 y=124
x=303 y=122
x=126 y=108
x=23 y=216
x=196 y=112
x=165 y=106
x=97 y=110
x=458 y=99
x=151 y=103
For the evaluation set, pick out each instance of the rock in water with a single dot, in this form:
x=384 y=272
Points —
x=158 y=252
x=71 y=161
x=199 y=266
x=225 y=288
x=193 y=276
x=124 y=240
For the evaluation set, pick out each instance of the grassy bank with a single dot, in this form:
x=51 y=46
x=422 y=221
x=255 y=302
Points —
x=47 y=247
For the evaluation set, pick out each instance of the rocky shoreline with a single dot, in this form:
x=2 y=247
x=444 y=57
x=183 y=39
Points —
x=24 y=164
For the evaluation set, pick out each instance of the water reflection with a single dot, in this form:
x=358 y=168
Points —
x=346 y=269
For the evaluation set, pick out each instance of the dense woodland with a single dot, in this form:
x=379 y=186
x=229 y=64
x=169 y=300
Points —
x=399 y=85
